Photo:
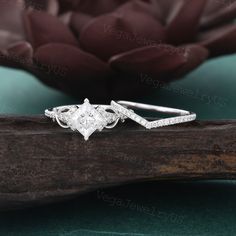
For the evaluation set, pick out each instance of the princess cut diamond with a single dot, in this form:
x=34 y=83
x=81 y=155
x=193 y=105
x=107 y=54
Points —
x=87 y=120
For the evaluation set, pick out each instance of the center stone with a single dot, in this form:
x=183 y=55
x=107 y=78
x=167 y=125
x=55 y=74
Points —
x=87 y=120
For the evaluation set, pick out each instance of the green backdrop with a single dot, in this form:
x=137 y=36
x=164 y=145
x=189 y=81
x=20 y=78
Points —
x=160 y=209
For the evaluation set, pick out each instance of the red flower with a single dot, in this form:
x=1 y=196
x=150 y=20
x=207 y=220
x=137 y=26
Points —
x=100 y=48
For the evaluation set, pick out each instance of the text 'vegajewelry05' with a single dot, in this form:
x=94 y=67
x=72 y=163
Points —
x=87 y=118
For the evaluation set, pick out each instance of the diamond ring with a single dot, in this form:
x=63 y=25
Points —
x=123 y=107
x=87 y=118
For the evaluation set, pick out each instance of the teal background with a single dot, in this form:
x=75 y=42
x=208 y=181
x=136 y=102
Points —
x=160 y=209
x=210 y=91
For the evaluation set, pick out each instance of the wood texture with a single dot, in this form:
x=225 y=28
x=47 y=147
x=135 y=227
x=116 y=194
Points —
x=40 y=162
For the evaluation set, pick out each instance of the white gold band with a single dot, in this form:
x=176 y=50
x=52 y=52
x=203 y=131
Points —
x=87 y=118
x=182 y=115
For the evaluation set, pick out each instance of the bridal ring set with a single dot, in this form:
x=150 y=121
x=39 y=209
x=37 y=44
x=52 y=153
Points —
x=87 y=118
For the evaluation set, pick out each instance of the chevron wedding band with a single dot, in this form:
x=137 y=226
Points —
x=87 y=118
x=123 y=107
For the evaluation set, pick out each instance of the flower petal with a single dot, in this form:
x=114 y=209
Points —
x=42 y=28
x=78 y=21
x=157 y=61
x=91 y=7
x=18 y=55
x=163 y=61
x=50 y=6
x=66 y=17
x=7 y=38
x=148 y=7
x=168 y=8
x=184 y=25
x=219 y=41
x=21 y=50
x=194 y=55
x=10 y=16
x=225 y=14
x=72 y=69
x=213 y=6
x=112 y=34
x=11 y=27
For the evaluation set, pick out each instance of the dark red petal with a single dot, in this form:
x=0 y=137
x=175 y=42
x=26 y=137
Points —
x=10 y=16
x=168 y=8
x=42 y=28
x=66 y=17
x=184 y=25
x=219 y=41
x=158 y=61
x=73 y=69
x=91 y=7
x=194 y=55
x=213 y=6
x=21 y=50
x=161 y=62
x=222 y=15
x=78 y=21
x=112 y=34
x=141 y=6
x=50 y=6
x=7 y=38
x=11 y=27
x=68 y=5
x=18 y=55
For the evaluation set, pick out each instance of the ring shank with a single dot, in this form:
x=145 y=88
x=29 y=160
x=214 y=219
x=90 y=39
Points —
x=181 y=116
x=141 y=106
x=51 y=112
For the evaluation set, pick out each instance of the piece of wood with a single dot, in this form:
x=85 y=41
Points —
x=41 y=162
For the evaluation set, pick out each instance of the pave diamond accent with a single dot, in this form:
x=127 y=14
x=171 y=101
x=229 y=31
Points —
x=152 y=124
x=108 y=116
x=172 y=121
x=87 y=120
x=129 y=113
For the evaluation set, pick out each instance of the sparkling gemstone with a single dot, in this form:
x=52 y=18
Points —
x=87 y=120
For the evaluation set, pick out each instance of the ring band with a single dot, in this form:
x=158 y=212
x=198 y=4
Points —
x=87 y=118
x=182 y=115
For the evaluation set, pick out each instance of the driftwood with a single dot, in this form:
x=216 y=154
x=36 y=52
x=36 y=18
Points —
x=40 y=162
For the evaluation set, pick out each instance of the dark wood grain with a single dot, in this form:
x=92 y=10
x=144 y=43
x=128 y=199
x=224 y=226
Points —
x=40 y=162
